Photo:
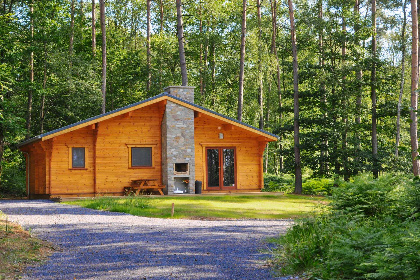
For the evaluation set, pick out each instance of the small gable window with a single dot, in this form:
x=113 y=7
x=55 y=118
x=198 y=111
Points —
x=78 y=157
x=141 y=157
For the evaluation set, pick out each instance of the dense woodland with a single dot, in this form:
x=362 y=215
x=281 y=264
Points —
x=351 y=82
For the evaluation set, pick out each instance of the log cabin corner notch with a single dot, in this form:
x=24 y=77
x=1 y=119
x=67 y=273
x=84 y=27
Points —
x=103 y=154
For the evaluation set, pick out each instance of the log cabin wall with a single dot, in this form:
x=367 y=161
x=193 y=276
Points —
x=64 y=178
x=38 y=172
x=249 y=151
x=116 y=136
x=107 y=147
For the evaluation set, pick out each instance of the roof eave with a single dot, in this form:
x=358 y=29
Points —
x=30 y=141
x=270 y=136
x=152 y=100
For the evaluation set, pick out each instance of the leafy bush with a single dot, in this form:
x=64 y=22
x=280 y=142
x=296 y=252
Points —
x=370 y=197
x=13 y=179
x=275 y=183
x=414 y=196
x=372 y=231
x=318 y=186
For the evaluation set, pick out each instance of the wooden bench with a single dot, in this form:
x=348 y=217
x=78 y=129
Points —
x=143 y=184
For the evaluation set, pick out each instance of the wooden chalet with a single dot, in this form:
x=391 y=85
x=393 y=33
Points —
x=167 y=139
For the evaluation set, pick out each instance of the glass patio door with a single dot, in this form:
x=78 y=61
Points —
x=221 y=168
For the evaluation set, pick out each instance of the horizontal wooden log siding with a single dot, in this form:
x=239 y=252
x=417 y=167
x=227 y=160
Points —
x=107 y=143
x=142 y=126
x=38 y=170
x=249 y=150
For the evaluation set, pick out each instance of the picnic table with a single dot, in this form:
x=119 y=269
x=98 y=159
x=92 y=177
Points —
x=143 y=184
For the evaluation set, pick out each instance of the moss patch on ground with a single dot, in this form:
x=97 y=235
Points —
x=18 y=249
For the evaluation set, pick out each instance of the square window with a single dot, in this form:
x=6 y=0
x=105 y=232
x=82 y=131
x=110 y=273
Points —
x=141 y=157
x=78 y=157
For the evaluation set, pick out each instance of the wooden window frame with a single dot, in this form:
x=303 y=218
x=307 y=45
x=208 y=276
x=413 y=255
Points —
x=71 y=158
x=152 y=146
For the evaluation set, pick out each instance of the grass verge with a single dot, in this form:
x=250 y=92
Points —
x=19 y=249
x=268 y=206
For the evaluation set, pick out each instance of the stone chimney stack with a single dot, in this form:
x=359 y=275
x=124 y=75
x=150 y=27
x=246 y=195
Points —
x=178 y=153
x=183 y=92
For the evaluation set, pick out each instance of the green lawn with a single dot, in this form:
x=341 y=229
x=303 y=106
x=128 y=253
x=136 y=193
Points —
x=267 y=206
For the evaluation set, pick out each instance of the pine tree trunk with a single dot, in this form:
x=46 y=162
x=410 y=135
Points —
x=414 y=87
x=345 y=105
x=44 y=86
x=274 y=51
x=2 y=127
x=200 y=11
x=418 y=12
x=71 y=34
x=161 y=15
x=398 y=126
x=205 y=63
x=242 y=62
x=260 y=74
x=93 y=28
x=82 y=19
x=375 y=167
x=298 y=167
x=149 y=64
x=323 y=164
x=180 y=32
x=359 y=77
x=103 y=31
x=71 y=41
x=31 y=78
x=2 y=131
x=161 y=7
x=213 y=67
x=278 y=75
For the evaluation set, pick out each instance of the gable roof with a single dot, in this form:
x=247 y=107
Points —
x=141 y=104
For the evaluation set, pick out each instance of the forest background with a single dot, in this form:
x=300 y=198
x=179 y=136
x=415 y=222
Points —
x=354 y=77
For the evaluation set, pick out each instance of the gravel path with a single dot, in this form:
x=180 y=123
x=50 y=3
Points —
x=105 y=245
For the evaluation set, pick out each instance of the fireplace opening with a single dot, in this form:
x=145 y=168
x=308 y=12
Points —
x=181 y=185
x=181 y=169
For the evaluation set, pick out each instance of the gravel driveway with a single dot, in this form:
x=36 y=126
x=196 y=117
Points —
x=105 y=245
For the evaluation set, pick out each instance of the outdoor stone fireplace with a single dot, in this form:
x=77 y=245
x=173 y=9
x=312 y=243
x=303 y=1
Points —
x=178 y=158
x=181 y=169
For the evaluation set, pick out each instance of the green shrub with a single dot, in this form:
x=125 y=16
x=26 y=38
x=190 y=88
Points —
x=302 y=247
x=318 y=186
x=398 y=256
x=274 y=183
x=413 y=196
x=371 y=232
x=372 y=197
x=13 y=178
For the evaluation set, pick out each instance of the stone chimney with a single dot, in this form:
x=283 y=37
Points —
x=183 y=92
x=178 y=158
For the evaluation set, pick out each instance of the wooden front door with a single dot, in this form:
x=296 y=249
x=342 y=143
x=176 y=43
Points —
x=221 y=168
